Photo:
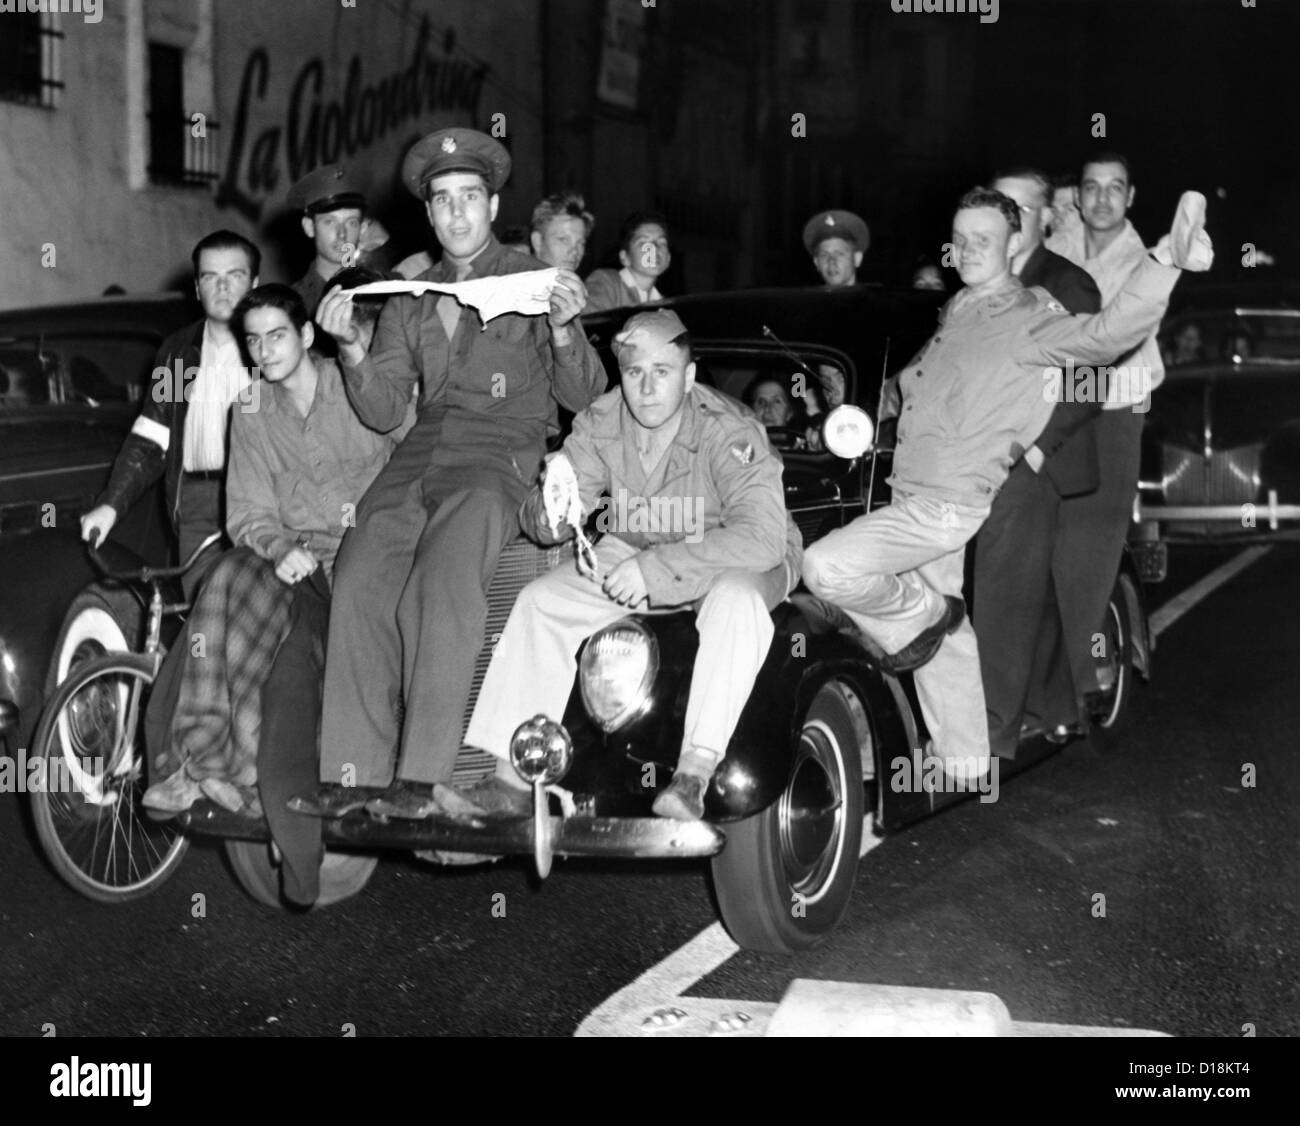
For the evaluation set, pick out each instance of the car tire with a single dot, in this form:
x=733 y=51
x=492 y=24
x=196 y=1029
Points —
x=342 y=874
x=785 y=877
x=1112 y=717
x=98 y=621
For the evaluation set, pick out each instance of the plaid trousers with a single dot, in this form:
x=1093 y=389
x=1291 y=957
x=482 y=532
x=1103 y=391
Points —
x=230 y=641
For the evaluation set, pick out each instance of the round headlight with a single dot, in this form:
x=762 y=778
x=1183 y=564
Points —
x=617 y=670
x=848 y=431
x=541 y=750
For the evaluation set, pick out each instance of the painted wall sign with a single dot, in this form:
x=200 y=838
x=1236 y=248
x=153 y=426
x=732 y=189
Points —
x=315 y=131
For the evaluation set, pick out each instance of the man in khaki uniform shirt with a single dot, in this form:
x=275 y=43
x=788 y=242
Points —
x=695 y=517
x=974 y=400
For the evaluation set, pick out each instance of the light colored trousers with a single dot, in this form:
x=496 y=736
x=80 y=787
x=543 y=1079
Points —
x=535 y=659
x=889 y=571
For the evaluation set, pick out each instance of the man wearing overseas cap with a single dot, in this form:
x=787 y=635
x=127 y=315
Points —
x=409 y=605
x=836 y=240
x=695 y=516
x=974 y=400
x=333 y=210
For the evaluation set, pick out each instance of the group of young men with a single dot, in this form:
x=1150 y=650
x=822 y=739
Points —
x=377 y=470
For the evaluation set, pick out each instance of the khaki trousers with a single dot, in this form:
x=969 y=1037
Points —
x=535 y=660
x=889 y=571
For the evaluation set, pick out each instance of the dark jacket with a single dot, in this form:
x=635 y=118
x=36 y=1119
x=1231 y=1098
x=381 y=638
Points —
x=1068 y=442
x=142 y=460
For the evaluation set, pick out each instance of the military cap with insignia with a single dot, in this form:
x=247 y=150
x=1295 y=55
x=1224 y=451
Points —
x=836 y=224
x=327 y=188
x=455 y=150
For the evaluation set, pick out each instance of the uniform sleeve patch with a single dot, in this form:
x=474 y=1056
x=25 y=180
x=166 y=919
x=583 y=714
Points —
x=743 y=452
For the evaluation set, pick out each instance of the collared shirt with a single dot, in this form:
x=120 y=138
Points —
x=1110 y=270
x=295 y=479
x=221 y=377
x=491 y=391
x=983 y=388
x=614 y=289
x=714 y=502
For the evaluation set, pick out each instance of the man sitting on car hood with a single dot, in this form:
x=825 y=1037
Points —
x=695 y=516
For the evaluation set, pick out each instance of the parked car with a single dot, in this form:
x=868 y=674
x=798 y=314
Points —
x=826 y=745
x=71 y=381
x=1221 y=446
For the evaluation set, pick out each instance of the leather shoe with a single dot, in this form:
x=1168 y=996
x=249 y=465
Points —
x=497 y=798
x=926 y=644
x=173 y=794
x=330 y=799
x=417 y=801
x=235 y=799
x=683 y=798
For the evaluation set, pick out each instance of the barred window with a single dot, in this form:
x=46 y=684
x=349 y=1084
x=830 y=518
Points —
x=176 y=157
x=29 y=59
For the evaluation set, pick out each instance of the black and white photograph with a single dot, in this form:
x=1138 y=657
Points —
x=651 y=519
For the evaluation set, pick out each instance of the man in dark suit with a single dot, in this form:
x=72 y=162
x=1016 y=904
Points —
x=1021 y=579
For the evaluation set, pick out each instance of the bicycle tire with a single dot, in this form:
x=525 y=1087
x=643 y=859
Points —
x=81 y=809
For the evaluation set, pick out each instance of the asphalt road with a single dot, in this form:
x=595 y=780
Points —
x=1198 y=870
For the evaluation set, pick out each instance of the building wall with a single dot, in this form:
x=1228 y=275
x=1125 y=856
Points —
x=271 y=79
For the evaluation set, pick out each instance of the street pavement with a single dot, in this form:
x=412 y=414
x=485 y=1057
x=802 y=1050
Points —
x=1198 y=870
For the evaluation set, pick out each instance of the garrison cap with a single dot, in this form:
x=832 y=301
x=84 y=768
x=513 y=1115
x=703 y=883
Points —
x=835 y=224
x=327 y=188
x=455 y=150
x=648 y=330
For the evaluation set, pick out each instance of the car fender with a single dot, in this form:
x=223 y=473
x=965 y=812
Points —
x=43 y=571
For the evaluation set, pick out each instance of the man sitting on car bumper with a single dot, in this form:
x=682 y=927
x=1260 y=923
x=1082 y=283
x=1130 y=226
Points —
x=973 y=401
x=659 y=445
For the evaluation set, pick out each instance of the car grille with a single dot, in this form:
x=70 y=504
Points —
x=520 y=564
x=1225 y=477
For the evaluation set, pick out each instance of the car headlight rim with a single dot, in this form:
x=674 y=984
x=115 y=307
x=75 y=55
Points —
x=633 y=695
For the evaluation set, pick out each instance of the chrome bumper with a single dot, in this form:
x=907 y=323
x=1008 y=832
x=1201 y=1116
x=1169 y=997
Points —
x=633 y=838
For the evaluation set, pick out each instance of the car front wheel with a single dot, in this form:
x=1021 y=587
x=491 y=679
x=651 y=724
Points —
x=784 y=879
x=342 y=874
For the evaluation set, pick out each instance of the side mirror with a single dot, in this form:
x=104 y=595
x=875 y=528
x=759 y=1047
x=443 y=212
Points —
x=848 y=432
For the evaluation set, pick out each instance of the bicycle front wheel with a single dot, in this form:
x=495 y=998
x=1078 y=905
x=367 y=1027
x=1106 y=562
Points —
x=90 y=742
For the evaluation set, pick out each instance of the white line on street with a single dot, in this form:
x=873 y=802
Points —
x=663 y=983
x=1177 y=606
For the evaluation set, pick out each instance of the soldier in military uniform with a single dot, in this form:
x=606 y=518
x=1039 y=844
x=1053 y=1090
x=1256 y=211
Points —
x=333 y=208
x=409 y=605
x=836 y=241
x=695 y=516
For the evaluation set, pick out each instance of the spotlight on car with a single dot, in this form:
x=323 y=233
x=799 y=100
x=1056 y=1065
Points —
x=848 y=431
x=541 y=751
x=617 y=670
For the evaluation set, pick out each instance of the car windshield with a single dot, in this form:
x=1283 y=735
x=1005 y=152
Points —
x=41 y=370
x=1235 y=335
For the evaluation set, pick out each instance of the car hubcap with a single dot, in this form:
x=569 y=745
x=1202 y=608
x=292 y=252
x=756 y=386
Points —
x=812 y=814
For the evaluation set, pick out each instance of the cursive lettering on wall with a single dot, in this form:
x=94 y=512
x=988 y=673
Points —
x=315 y=132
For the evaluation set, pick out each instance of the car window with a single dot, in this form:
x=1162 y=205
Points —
x=87 y=370
x=1234 y=335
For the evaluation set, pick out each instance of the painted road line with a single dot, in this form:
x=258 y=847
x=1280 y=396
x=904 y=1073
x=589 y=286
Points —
x=1177 y=606
x=656 y=990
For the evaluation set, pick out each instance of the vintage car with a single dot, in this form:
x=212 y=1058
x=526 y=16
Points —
x=71 y=378
x=828 y=746
x=1221 y=446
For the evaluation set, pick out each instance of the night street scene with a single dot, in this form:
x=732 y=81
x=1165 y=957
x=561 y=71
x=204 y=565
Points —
x=650 y=519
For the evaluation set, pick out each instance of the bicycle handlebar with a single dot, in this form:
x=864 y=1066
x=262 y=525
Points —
x=148 y=574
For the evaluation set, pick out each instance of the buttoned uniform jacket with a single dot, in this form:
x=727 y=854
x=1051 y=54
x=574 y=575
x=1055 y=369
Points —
x=155 y=447
x=311 y=288
x=297 y=480
x=981 y=391
x=490 y=392
x=1069 y=442
x=719 y=460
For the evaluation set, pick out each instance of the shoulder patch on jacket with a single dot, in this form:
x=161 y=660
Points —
x=743 y=452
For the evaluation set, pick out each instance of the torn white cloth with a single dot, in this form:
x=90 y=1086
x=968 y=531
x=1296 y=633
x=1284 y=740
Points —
x=527 y=293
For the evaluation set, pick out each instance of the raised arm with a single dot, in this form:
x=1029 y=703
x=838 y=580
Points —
x=378 y=382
